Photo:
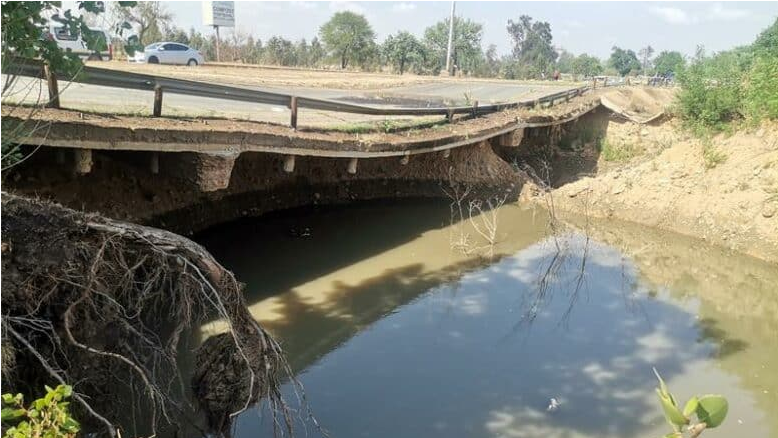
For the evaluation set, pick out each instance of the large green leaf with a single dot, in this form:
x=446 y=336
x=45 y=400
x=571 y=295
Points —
x=672 y=414
x=690 y=406
x=712 y=410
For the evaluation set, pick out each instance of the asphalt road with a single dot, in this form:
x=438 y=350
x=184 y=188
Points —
x=120 y=101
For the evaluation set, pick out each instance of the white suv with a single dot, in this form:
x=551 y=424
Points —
x=169 y=53
x=74 y=43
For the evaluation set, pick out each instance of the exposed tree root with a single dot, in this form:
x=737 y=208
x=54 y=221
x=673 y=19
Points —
x=103 y=305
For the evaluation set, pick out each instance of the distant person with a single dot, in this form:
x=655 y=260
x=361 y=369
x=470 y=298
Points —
x=556 y=75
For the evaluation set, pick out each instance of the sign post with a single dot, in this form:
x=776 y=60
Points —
x=218 y=14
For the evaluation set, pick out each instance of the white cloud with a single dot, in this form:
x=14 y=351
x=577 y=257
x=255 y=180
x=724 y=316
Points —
x=338 y=6
x=403 y=7
x=720 y=12
x=671 y=15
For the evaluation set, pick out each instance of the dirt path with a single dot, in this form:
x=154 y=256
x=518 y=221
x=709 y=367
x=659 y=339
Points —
x=724 y=190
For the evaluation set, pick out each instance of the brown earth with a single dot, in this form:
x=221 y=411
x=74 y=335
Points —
x=640 y=105
x=723 y=190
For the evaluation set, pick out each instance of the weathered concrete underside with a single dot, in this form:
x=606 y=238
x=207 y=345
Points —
x=186 y=180
x=191 y=191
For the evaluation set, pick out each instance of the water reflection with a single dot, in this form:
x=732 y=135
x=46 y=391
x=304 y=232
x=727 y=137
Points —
x=395 y=334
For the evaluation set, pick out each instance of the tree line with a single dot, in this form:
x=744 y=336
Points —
x=348 y=41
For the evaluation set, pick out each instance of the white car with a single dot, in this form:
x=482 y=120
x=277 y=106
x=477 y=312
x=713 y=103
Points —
x=76 y=44
x=169 y=53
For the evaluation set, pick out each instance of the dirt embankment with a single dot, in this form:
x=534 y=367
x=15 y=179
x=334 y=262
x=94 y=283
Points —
x=723 y=190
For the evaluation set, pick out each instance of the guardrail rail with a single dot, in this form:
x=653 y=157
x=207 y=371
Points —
x=161 y=84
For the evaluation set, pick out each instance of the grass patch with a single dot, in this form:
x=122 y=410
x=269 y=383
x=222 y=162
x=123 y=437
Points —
x=712 y=156
x=388 y=125
x=619 y=152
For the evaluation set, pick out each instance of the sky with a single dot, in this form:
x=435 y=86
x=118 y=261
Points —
x=579 y=27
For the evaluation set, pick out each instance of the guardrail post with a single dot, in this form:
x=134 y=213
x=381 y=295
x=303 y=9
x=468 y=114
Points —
x=450 y=115
x=594 y=83
x=605 y=82
x=51 y=80
x=293 y=107
x=475 y=109
x=157 y=101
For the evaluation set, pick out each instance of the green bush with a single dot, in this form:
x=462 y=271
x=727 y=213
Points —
x=761 y=90
x=47 y=417
x=732 y=85
x=711 y=91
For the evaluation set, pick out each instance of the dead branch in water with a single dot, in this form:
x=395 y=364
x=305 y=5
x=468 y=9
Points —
x=102 y=305
x=480 y=213
x=552 y=269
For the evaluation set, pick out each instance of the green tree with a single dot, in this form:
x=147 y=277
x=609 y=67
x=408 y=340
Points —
x=532 y=46
x=348 y=37
x=402 y=49
x=177 y=34
x=466 y=44
x=767 y=42
x=669 y=63
x=280 y=51
x=491 y=62
x=586 y=65
x=565 y=62
x=316 y=52
x=624 y=61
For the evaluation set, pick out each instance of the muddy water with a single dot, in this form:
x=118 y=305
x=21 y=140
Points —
x=401 y=325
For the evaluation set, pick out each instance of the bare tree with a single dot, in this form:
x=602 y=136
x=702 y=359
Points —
x=150 y=19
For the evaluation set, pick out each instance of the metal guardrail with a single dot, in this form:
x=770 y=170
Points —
x=159 y=84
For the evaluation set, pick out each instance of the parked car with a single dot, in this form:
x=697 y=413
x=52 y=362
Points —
x=169 y=53
x=76 y=44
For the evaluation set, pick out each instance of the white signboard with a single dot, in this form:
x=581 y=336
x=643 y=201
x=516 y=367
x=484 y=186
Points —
x=219 y=14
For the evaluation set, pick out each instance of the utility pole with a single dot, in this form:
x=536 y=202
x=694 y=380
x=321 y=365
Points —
x=450 y=38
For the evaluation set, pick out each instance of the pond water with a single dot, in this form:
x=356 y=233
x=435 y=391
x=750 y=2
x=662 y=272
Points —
x=401 y=324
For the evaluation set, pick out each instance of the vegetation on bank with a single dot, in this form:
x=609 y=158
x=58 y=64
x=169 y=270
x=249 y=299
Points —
x=731 y=86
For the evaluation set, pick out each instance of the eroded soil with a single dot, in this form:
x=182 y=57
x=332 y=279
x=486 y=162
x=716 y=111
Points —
x=723 y=190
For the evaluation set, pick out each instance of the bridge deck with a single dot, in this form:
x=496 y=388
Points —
x=72 y=129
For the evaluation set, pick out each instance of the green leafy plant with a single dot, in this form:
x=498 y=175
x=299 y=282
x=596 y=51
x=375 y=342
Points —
x=46 y=417
x=619 y=152
x=710 y=411
x=712 y=156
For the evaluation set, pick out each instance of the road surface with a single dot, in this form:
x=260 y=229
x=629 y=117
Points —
x=94 y=98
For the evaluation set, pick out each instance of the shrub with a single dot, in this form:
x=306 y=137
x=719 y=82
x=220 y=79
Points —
x=761 y=90
x=711 y=91
x=46 y=417
x=619 y=151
